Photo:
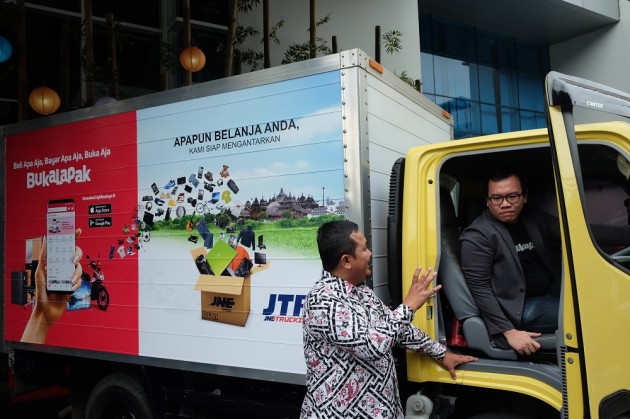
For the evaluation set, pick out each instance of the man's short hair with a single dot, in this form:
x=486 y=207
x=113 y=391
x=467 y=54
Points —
x=334 y=241
x=500 y=174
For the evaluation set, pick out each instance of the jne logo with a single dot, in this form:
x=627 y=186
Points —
x=225 y=302
x=288 y=304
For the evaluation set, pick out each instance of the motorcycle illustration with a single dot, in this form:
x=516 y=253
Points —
x=98 y=292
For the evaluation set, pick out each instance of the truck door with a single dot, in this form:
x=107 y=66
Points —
x=592 y=187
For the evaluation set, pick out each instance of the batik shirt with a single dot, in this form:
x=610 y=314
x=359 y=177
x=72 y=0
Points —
x=348 y=338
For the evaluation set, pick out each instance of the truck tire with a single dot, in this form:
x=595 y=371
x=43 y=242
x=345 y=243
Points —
x=118 y=396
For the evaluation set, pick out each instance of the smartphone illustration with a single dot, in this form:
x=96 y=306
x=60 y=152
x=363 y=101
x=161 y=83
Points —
x=155 y=189
x=232 y=185
x=200 y=194
x=200 y=172
x=60 y=245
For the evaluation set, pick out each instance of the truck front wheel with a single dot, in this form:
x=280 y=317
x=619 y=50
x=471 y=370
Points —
x=118 y=396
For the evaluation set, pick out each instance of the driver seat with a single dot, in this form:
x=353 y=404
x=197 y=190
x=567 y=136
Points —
x=456 y=290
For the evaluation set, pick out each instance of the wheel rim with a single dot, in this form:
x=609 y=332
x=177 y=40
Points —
x=103 y=298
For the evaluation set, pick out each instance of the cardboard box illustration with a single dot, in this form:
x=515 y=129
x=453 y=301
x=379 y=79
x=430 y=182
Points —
x=225 y=299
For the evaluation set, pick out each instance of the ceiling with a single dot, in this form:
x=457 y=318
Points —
x=542 y=22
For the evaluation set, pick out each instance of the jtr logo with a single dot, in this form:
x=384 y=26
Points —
x=225 y=302
x=285 y=300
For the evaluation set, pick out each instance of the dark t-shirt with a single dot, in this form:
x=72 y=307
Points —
x=537 y=279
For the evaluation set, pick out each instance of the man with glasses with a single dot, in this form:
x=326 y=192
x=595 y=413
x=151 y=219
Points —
x=510 y=256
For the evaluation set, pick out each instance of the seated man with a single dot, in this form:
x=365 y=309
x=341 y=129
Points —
x=511 y=259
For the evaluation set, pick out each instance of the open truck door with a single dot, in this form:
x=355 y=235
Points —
x=596 y=278
x=581 y=177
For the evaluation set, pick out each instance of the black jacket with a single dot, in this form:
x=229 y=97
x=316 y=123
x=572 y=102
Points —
x=493 y=270
x=247 y=238
x=492 y=267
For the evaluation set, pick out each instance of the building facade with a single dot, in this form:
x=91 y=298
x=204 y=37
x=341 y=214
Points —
x=483 y=61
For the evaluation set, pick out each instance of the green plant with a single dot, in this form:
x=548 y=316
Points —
x=411 y=82
x=250 y=56
x=302 y=51
x=392 y=41
x=393 y=44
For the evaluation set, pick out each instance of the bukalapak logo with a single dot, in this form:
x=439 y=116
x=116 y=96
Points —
x=58 y=177
x=284 y=308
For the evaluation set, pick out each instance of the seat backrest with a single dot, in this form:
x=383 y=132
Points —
x=455 y=288
x=450 y=274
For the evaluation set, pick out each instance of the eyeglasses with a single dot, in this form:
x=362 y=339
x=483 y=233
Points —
x=512 y=198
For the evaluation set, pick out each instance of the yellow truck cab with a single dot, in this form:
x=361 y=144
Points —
x=578 y=173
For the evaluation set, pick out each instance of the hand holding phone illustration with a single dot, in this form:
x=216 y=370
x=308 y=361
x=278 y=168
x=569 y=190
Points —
x=60 y=238
x=49 y=306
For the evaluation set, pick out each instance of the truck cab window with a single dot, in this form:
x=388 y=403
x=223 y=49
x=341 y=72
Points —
x=605 y=174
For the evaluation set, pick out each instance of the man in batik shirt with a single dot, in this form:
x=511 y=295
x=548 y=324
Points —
x=349 y=333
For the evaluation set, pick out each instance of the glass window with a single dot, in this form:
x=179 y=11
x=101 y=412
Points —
x=207 y=41
x=453 y=40
x=69 y=5
x=533 y=59
x=140 y=50
x=501 y=80
x=143 y=12
x=465 y=115
x=510 y=120
x=54 y=56
x=531 y=91
x=487 y=84
x=428 y=79
x=498 y=85
x=489 y=123
x=495 y=51
x=212 y=11
x=133 y=51
x=426 y=40
x=453 y=77
x=8 y=112
x=606 y=192
x=508 y=87
x=532 y=120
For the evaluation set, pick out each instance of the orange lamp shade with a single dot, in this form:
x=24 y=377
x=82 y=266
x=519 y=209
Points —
x=44 y=100
x=192 y=59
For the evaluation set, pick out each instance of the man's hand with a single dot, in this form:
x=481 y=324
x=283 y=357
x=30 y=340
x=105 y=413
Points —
x=451 y=360
x=49 y=306
x=418 y=292
x=522 y=342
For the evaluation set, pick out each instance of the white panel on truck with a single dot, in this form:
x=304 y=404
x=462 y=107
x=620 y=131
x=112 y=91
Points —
x=398 y=118
x=265 y=144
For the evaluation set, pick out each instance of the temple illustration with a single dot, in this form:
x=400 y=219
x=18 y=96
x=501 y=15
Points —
x=302 y=206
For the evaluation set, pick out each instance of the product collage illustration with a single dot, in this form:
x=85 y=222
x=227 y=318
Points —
x=194 y=196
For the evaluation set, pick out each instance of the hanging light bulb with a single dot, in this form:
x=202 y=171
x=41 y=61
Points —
x=192 y=59
x=5 y=49
x=44 y=100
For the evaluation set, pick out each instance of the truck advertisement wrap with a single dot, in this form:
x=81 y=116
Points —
x=90 y=166
x=195 y=225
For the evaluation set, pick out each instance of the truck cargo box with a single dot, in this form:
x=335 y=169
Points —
x=158 y=193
